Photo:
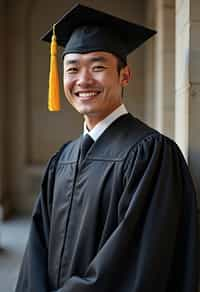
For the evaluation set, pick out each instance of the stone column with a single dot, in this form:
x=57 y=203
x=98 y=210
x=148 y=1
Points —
x=150 y=60
x=2 y=94
x=194 y=97
x=182 y=87
x=162 y=66
x=187 y=129
x=168 y=66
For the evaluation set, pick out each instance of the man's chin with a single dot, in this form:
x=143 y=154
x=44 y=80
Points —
x=86 y=111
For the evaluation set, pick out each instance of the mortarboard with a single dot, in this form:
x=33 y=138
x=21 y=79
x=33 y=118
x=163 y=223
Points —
x=83 y=30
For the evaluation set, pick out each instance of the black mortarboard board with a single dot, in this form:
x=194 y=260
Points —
x=84 y=29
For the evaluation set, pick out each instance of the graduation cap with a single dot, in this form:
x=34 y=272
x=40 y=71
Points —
x=83 y=30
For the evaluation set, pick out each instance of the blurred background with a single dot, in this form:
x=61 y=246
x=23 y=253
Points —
x=164 y=92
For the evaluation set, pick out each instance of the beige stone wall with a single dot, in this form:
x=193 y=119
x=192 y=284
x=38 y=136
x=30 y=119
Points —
x=34 y=133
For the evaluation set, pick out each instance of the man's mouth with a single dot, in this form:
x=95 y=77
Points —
x=86 y=94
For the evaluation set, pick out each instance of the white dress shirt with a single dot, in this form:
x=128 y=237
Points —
x=98 y=130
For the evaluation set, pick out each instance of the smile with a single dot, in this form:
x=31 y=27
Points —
x=87 y=94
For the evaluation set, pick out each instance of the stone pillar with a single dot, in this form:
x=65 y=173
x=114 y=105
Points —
x=15 y=108
x=150 y=58
x=182 y=87
x=187 y=127
x=162 y=67
x=168 y=54
x=2 y=94
x=194 y=98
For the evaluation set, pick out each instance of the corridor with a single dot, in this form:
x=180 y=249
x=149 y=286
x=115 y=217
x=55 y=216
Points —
x=13 y=237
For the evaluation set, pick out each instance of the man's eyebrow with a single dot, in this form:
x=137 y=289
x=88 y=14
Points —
x=71 y=62
x=92 y=60
x=98 y=59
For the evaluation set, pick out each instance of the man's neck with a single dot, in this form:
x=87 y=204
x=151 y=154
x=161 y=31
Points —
x=92 y=120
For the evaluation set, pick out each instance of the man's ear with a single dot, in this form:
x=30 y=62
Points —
x=125 y=76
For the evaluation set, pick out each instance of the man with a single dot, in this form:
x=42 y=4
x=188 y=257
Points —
x=120 y=215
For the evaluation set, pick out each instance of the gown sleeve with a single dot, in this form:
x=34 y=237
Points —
x=33 y=273
x=154 y=247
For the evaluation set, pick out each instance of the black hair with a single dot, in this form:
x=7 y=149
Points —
x=120 y=64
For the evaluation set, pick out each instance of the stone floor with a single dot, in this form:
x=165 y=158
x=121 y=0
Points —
x=13 y=237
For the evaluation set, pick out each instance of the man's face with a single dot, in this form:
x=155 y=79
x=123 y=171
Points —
x=92 y=83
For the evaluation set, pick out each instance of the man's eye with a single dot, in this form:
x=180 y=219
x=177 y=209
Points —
x=98 y=68
x=71 y=70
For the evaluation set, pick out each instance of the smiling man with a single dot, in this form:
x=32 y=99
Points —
x=117 y=207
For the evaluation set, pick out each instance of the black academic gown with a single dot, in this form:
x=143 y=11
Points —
x=123 y=221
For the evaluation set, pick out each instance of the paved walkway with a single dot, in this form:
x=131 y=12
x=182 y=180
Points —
x=13 y=237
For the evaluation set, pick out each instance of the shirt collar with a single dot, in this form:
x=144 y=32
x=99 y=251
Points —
x=98 y=130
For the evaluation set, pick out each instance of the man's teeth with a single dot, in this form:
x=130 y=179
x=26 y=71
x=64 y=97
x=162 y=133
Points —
x=87 y=94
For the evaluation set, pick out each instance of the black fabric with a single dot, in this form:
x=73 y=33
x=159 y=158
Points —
x=86 y=143
x=84 y=29
x=90 y=38
x=124 y=221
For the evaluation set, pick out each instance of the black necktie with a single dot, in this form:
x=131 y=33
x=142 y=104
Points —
x=87 y=142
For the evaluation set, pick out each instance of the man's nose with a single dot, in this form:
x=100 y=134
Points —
x=85 y=78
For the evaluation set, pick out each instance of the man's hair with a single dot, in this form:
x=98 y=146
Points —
x=120 y=64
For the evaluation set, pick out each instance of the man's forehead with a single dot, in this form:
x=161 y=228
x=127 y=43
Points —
x=98 y=56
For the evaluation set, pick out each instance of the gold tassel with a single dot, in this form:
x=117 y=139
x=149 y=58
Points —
x=54 y=91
